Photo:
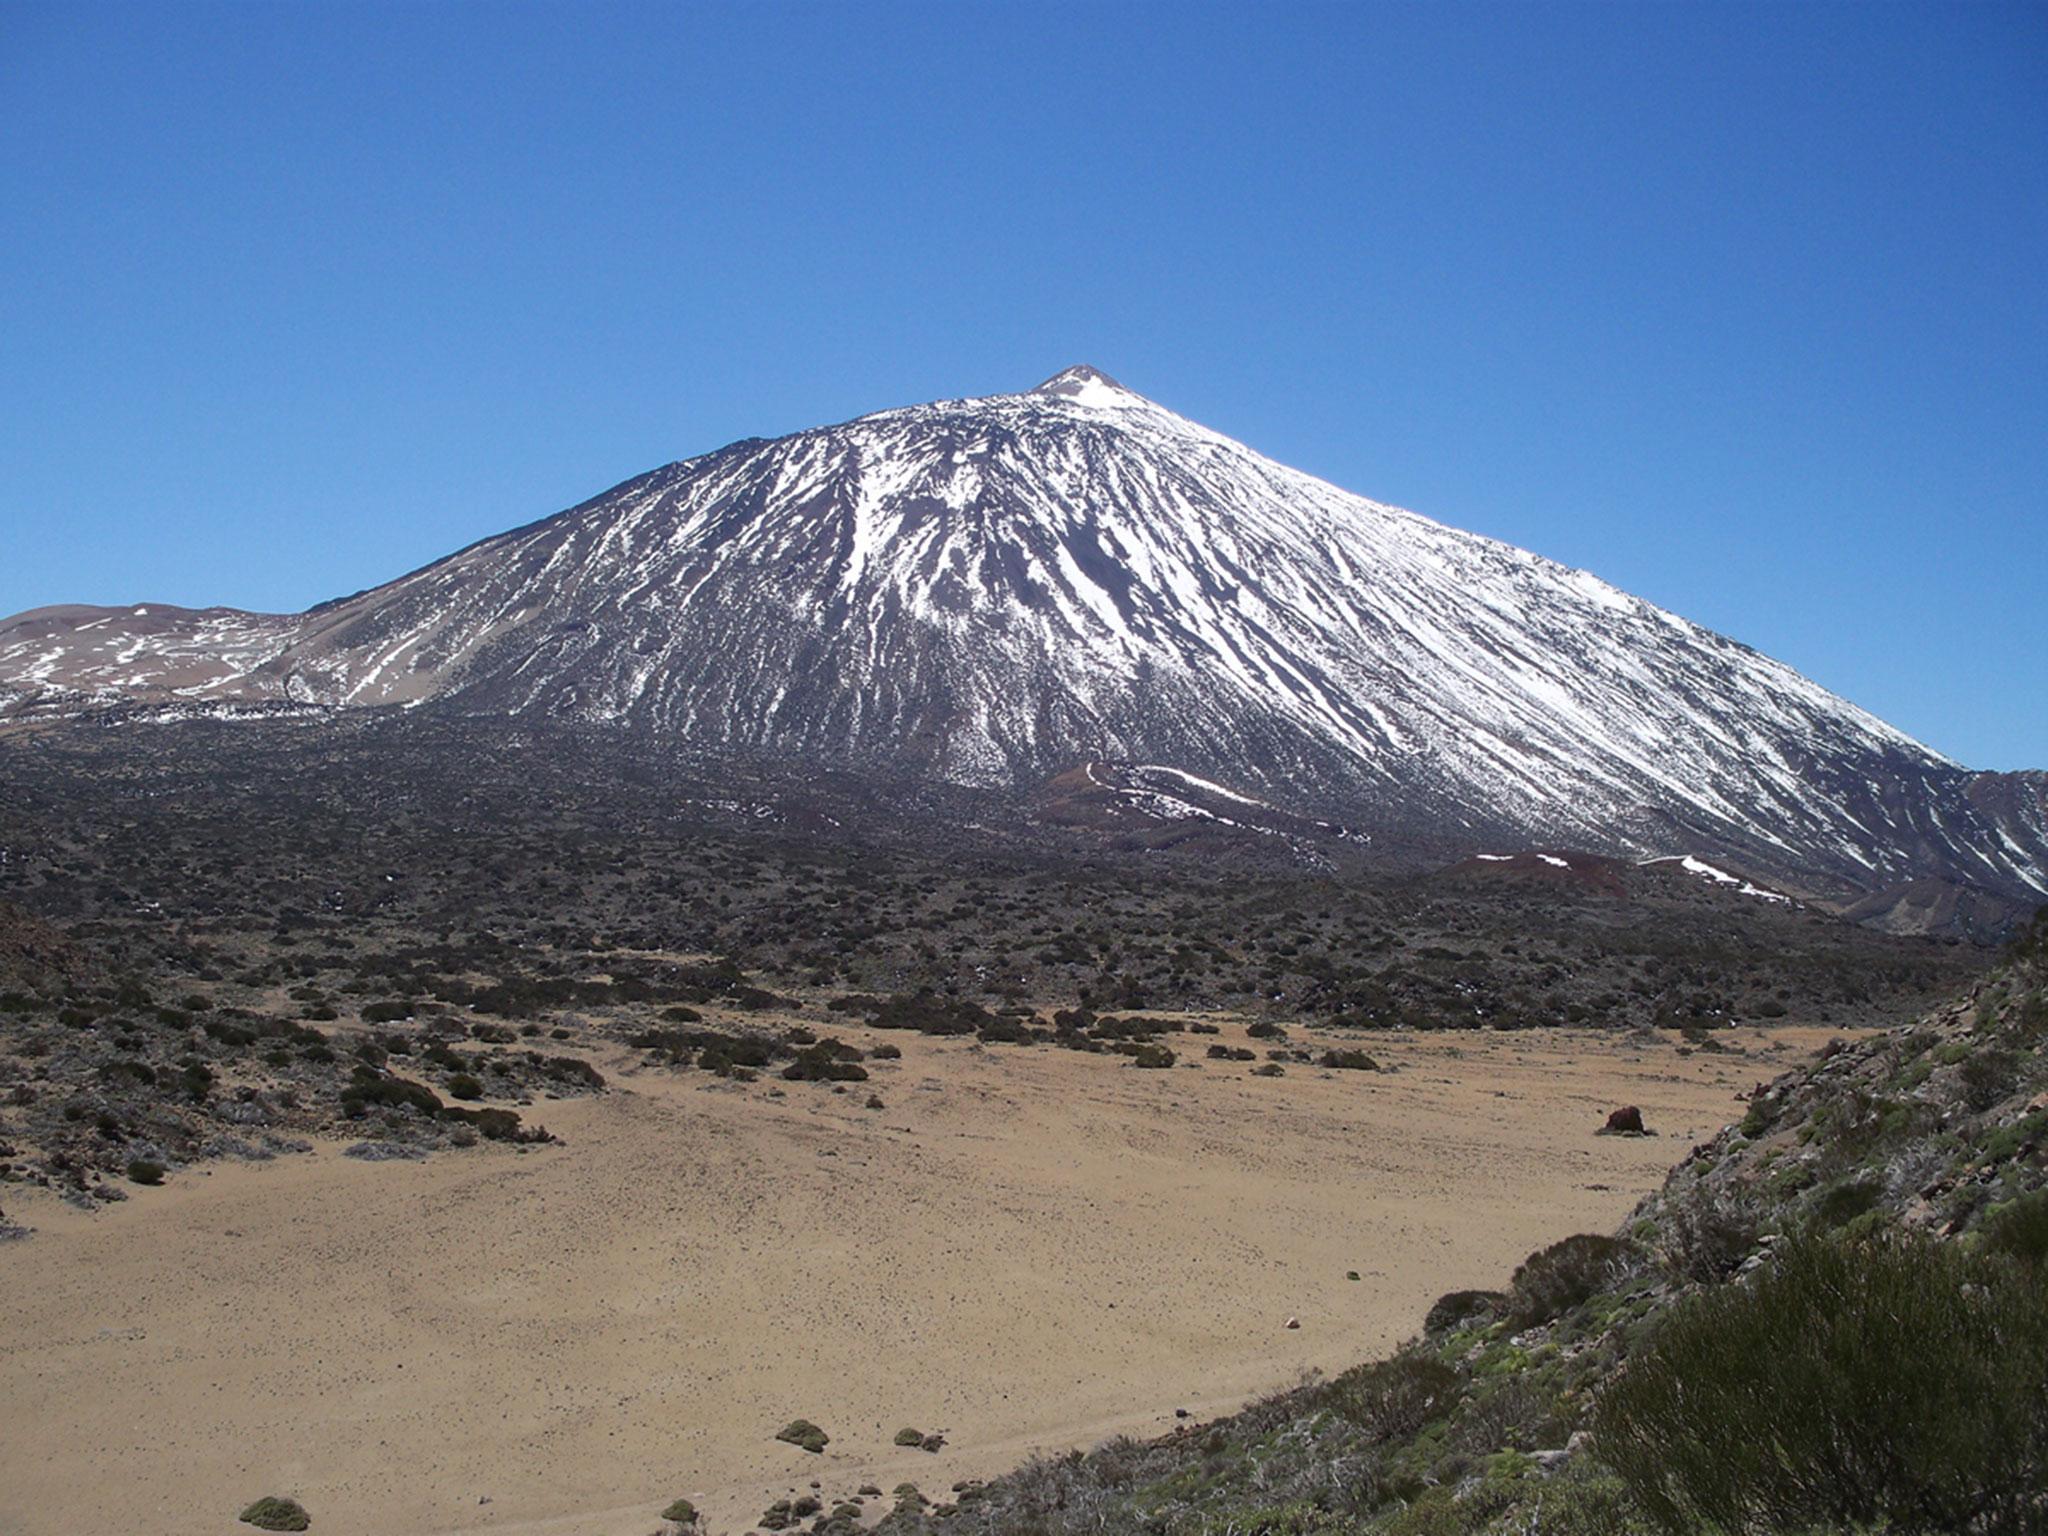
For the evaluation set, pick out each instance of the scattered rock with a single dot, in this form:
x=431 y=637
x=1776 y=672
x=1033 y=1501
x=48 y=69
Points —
x=1294 y=1322
x=385 y=1152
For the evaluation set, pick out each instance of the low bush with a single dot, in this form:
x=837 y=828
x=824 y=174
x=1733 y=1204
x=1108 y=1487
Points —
x=2019 y=1229
x=1006 y=1031
x=1349 y=1061
x=682 y=1512
x=828 y=1061
x=1844 y=1202
x=142 y=1171
x=1890 y=1383
x=1709 y=1233
x=273 y=1514
x=907 y=1436
x=370 y=1088
x=1392 y=1399
x=1551 y=1282
x=1455 y=1309
x=805 y=1434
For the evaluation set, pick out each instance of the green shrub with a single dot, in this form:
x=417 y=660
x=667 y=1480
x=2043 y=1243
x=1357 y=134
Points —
x=1151 y=1056
x=1891 y=1383
x=1709 y=1232
x=1455 y=1309
x=142 y=1171
x=682 y=1512
x=463 y=1086
x=2019 y=1228
x=1988 y=1075
x=1846 y=1201
x=802 y=1432
x=271 y=1514
x=907 y=1436
x=1392 y=1399
x=369 y=1088
x=1350 y=1061
x=827 y=1061
x=1551 y=1282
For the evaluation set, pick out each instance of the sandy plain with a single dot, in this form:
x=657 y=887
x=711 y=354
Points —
x=1026 y=1249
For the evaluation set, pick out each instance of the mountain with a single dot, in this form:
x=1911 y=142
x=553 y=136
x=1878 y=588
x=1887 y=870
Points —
x=999 y=590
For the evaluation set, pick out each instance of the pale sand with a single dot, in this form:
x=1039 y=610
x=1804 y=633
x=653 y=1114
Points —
x=1028 y=1248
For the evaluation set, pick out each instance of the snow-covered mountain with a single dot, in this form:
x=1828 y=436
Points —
x=997 y=590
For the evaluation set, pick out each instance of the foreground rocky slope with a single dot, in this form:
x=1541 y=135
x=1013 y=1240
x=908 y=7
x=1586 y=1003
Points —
x=1833 y=1317
x=995 y=591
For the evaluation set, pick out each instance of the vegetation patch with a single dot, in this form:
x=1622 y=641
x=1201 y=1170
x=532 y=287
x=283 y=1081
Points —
x=805 y=1434
x=275 y=1514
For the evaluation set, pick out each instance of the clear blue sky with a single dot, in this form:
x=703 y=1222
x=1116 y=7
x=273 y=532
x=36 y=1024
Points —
x=1745 y=309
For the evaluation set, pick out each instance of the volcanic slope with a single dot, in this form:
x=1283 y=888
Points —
x=995 y=590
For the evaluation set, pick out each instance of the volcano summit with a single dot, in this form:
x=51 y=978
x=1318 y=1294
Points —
x=996 y=590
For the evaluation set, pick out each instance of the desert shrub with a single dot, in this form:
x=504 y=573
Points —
x=2019 y=1228
x=1708 y=1233
x=826 y=1061
x=230 y=1034
x=1893 y=1383
x=1551 y=1282
x=273 y=1514
x=803 y=1433
x=1393 y=1399
x=573 y=1070
x=1269 y=1069
x=1455 y=1309
x=907 y=1436
x=142 y=1171
x=1266 y=1030
x=1987 y=1075
x=463 y=1086
x=925 y=1012
x=1005 y=1031
x=494 y=1124
x=1349 y=1061
x=886 y=1052
x=1842 y=1203
x=682 y=1512
x=1151 y=1056
x=370 y=1088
